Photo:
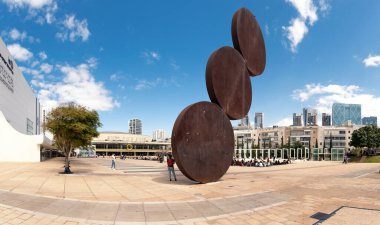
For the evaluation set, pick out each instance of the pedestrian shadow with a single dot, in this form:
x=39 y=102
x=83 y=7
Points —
x=323 y=217
x=181 y=179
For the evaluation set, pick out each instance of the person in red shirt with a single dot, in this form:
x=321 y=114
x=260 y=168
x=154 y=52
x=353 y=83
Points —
x=170 y=161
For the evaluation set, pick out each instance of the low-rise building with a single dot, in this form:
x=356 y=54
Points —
x=122 y=143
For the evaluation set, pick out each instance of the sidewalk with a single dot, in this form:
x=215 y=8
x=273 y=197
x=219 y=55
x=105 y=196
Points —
x=139 y=192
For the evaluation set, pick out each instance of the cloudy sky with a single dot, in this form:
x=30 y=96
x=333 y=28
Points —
x=147 y=59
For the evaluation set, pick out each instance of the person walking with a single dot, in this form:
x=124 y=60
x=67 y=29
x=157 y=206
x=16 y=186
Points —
x=171 y=171
x=345 y=159
x=113 y=165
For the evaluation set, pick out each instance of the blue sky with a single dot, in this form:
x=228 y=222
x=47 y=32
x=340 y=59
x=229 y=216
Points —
x=147 y=59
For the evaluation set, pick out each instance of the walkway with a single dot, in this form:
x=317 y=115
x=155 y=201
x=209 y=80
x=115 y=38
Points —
x=166 y=212
x=138 y=192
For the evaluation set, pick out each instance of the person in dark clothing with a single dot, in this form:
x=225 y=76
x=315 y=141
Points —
x=170 y=161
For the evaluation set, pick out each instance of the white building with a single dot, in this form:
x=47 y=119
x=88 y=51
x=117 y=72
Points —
x=135 y=126
x=259 y=120
x=159 y=135
x=20 y=138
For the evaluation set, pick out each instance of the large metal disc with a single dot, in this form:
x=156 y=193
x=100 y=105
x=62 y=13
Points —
x=228 y=82
x=248 y=40
x=203 y=142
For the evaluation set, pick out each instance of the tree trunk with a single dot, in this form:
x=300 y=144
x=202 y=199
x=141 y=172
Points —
x=67 y=161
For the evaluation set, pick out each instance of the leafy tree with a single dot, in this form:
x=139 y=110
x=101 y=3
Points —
x=289 y=142
x=316 y=143
x=368 y=136
x=282 y=141
x=73 y=126
x=331 y=142
x=297 y=144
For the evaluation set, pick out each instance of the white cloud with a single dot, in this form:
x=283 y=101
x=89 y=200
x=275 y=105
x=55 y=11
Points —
x=34 y=63
x=151 y=56
x=116 y=77
x=34 y=4
x=307 y=16
x=17 y=35
x=49 y=16
x=78 y=85
x=36 y=74
x=46 y=68
x=296 y=32
x=266 y=28
x=73 y=29
x=157 y=82
x=285 y=122
x=35 y=8
x=145 y=84
x=42 y=55
x=92 y=62
x=324 y=6
x=318 y=89
x=306 y=9
x=322 y=97
x=20 y=53
x=372 y=61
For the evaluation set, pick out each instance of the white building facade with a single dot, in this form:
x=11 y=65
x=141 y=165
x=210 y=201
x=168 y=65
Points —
x=159 y=135
x=135 y=126
x=20 y=114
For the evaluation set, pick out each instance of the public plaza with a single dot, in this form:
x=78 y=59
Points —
x=139 y=192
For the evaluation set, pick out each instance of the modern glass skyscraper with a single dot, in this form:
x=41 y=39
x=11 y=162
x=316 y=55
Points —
x=259 y=120
x=297 y=119
x=245 y=121
x=326 y=119
x=341 y=113
x=309 y=117
x=371 y=120
x=135 y=126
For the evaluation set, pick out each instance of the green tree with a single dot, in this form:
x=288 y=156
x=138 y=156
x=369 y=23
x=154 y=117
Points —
x=282 y=141
x=331 y=142
x=73 y=126
x=368 y=136
x=316 y=143
x=297 y=144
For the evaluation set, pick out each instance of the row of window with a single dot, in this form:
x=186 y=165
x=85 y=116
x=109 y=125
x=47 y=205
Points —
x=130 y=146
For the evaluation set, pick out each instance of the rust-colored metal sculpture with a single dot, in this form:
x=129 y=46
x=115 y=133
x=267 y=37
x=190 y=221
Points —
x=204 y=141
x=228 y=82
x=248 y=40
x=202 y=136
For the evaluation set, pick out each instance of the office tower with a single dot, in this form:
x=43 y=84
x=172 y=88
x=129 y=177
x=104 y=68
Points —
x=245 y=121
x=341 y=113
x=259 y=120
x=371 y=120
x=297 y=119
x=309 y=117
x=326 y=119
x=159 y=135
x=135 y=126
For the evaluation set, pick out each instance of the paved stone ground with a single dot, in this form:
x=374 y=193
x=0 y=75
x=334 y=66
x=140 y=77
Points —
x=139 y=192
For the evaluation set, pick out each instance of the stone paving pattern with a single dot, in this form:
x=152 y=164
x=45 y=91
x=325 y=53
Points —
x=139 y=192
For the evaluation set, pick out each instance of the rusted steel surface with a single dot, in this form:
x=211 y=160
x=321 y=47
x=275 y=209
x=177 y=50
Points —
x=202 y=136
x=203 y=142
x=248 y=40
x=228 y=82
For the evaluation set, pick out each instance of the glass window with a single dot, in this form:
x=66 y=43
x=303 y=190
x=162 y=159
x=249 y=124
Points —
x=29 y=126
